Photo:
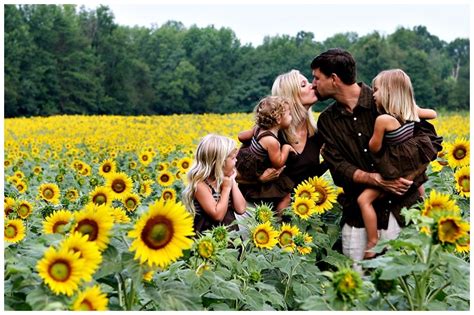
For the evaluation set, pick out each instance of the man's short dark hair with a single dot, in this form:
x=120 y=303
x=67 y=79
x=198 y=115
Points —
x=338 y=61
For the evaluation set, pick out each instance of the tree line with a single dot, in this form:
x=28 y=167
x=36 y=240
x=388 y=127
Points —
x=61 y=59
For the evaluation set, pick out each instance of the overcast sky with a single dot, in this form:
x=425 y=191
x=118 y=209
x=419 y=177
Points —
x=252 y=22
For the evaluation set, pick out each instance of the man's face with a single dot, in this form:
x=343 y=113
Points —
x=322 y=85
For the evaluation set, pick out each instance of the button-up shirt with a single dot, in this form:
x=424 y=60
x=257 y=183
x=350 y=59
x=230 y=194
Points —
x=346 y=136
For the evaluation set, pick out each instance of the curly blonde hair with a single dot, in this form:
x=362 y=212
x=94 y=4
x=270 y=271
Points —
x=269 y=110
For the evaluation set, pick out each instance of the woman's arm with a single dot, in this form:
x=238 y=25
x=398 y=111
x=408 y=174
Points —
x=246 y=135
x=426 y=113
x=216 y=210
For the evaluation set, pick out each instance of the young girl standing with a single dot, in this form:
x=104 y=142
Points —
x=271 y=115
x=396 y=151
x=212 y=193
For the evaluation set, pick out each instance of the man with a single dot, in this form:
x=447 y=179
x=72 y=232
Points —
x=346 y=127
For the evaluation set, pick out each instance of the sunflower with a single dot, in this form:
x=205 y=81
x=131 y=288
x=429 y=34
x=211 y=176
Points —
x=77 y=165
x=462 y=177
x=119 y=215
x=303 y=207
x=264 y=213
x=306 y=190
x=132 y=165
x=286 y=235
x=458 y=153
x=49 y=192
x=161 y=234
x=91 y=299
x=206 y=247
x=101 y=195
x=37 y=170
x=7 y=163
x=451 y=229
x=21 y=187
x=464 y=245
x=347 y=283
x=19 y=174
x=107 y=167
x=145 y=188
x=13 y=179
x=148 y=276
x=57 y=222
x=165 y=178
x=24 y=209
x=14 y=231
x=220 y=235
x=162 y=166
x=326 y=194
x=168 y=194
x=145 y=158
x=8 y=206
x=437 y=202
x=436 y=166
x=88 y=251
x=96 y=222
x=302 y=242
x=61 y=270
x=184 y=164
x=131 y=202
x=72 y=194
x=86 y=170
x=264 y=236
x=119 y=184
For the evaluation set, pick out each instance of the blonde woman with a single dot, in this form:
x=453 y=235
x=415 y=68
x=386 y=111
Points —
x=212 y=193
x=301 y=134
x=398 y=152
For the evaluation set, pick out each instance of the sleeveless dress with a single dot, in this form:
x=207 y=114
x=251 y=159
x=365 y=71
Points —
x=203 y=222
x=252 y=161
x=403 y=153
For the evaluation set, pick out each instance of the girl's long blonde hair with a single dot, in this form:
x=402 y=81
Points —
x=288 y=85
x=396 y=94
x=208 y=163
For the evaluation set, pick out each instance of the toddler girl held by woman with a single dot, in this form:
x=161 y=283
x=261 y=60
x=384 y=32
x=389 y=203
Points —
x=271 y=115
x=397 y=152
x=212 y=193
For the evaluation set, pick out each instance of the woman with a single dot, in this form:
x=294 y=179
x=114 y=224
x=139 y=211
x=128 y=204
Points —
x=301 y=135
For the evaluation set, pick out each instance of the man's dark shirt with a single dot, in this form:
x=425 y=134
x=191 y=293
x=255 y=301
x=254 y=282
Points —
x=346 y=149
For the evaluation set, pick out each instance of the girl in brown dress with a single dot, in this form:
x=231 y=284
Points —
x=212 y=193
x=397 y=152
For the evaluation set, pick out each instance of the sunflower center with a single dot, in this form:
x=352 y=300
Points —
x=8 y=211
x=48 y=193
x=465 y=184
x=322 y=196
x=167 y=195
x=86 y=306
x=99 y=199
x=158 y=232
x=59 y=227
x=130 y=203
x=106 y=168
x=302 y=209
x=165 y=178
x=118 y=186
x=450 y=230
x=10 y=231
x=23 y=210
x=185 y=165
x=286 y=238
x=305 y=194
x=145 y=158
x=60 y=270
x=347 y=284
x=88 y=227
x=262 y=237
x=20 y=187
x=460 y=153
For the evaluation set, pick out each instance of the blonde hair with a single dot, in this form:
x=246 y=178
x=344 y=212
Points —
x=289 y=85
x=269 y=110
x=396 y=94
x=209 y=162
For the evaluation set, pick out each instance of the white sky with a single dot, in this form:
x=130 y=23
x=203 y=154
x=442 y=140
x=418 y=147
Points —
x=251 y=22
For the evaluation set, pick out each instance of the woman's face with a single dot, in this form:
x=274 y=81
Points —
x=229 y=165
x=307 y=94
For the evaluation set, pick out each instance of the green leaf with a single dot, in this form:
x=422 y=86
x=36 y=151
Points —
x=315 y=303
x=401 y=266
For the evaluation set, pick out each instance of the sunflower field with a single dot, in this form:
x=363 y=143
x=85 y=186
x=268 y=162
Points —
x=93 y=221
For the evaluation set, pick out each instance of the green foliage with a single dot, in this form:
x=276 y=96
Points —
x=60 y=59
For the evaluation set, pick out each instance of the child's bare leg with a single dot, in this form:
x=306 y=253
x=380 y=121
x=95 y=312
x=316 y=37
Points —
x=365 y=200
x=282 y=204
